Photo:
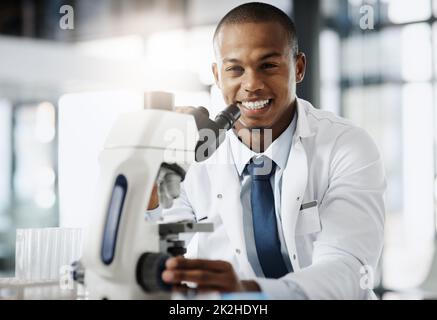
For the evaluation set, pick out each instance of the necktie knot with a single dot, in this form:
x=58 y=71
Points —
x=261 y=168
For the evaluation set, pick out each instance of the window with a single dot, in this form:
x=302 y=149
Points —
x=34 y=177
x=387 y=86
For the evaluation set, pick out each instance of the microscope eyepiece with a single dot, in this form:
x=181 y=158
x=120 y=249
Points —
x=224 y=121
x=227 y=118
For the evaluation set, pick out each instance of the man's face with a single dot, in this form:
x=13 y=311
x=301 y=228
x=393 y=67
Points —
x=256 y=69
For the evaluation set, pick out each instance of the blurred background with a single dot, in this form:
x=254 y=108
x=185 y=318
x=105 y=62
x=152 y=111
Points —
x=374 y=62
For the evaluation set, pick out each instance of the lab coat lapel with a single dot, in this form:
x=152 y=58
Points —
x=294 y=182
x=226 y=189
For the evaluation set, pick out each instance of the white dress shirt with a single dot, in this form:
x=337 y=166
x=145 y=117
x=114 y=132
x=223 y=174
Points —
x=278 y=151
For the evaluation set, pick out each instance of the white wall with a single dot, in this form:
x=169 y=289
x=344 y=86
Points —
x=84 y=122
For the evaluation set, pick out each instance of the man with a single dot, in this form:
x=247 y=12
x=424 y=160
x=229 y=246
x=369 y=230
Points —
x=313 y=223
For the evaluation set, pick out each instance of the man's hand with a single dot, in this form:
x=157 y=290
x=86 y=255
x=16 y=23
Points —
x=208 y=275
x=154 y=199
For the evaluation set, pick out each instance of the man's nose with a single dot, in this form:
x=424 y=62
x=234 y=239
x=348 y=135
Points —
x=252 y=82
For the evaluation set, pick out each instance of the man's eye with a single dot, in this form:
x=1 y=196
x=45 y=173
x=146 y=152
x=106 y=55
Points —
x=235 y=69
x=268 y=66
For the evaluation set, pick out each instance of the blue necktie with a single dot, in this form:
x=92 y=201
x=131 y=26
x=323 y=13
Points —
x=268 y=246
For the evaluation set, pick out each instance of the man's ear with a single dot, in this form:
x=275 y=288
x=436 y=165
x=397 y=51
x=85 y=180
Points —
x=216 y=75
x=300 y=67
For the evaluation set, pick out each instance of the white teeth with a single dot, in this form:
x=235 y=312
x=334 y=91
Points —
x=254 y=105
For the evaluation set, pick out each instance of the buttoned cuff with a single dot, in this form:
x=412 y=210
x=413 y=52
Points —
x=277 y=289
x=154 y=215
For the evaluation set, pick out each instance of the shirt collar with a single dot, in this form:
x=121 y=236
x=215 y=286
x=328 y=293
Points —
x=278 y=151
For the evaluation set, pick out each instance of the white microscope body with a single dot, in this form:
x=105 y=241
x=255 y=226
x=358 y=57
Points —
x=114 y=260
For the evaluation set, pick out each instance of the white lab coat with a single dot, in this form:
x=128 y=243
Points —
x=331 y=245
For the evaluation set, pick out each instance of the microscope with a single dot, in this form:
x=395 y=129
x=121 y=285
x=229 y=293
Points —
x=124 y=254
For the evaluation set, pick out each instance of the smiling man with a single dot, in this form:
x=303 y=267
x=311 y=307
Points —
x=258 y=66
x=307 y=227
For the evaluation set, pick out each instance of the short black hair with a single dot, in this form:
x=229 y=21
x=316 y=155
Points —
x=258 y=12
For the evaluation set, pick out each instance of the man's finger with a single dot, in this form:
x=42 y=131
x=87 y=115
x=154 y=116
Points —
x=200 y=277
x=199 y=290
x=181 y=288
x=199 y=264
x=210 y=289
